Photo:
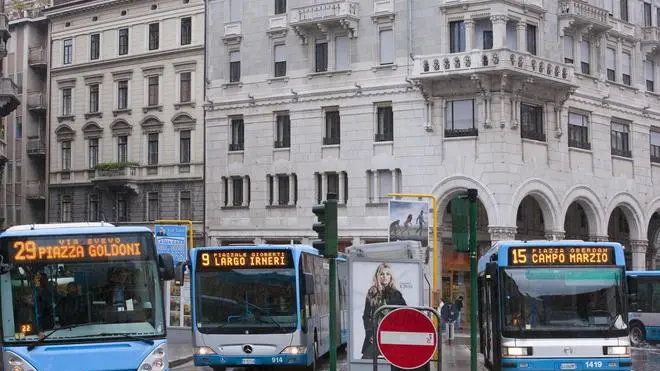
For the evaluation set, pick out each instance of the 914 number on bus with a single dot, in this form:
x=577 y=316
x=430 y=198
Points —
x=277 y=360
x=593 y=364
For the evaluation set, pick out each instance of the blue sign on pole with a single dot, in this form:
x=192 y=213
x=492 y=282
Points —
x=172 y=239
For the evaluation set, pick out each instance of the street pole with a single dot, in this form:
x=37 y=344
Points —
x=472 y=197
x=331 y=250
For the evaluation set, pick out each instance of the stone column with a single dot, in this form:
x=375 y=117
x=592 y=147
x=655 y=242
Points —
x=577 y=56
x=554 y=235
x=276 y=190
x=618 y=63
x=637 y=67
x=246 y=191
x=499 y=233
x=469 y=34
x=292 y=189
x=324 y=186
x=342 y=190
x=602 y=52
x=521 y=29
x=639 y=248
x=230 y=191
x=374 y=186
x=499 y=31
x=596 y=238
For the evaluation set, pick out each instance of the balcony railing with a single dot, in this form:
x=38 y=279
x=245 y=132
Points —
x=116 y=172
x=36 y=101
x=37 y=56
x=8 y=96
x=583 y=10
x=326 y=11
x=283 y=143
x=621 y=152
x=236 y=147
x=331 y=141
x=36 y=146
x=474 y=61
x=35 y=190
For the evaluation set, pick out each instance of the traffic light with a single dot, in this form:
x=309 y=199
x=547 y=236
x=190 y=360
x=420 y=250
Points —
x=319 y=226
x=326 y=226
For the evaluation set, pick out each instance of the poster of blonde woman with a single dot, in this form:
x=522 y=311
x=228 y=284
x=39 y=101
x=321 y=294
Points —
x=374 y=284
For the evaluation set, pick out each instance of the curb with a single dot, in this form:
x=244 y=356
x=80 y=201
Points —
x=180 y=361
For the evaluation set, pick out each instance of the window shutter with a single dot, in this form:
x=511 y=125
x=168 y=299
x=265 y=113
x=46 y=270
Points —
x=342 y=53
x=610 y=59
x=280 y=53
x=568 y=47
x=386 y=46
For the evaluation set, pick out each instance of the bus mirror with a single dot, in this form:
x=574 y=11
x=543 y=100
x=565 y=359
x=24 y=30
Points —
x=309 y=284
x=179 y=270
x=166 y=266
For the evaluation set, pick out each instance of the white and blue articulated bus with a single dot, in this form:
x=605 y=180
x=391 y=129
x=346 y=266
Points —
x=81 y=297
x=263 y=305
x=553 y=305
x=644 y=306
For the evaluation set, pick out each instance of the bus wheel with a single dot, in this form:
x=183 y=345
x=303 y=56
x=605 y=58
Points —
x=637 y=336
x=312 y=367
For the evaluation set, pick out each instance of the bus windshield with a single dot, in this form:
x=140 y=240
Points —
x=255 y=301
x=546 y=301
x=80 y=288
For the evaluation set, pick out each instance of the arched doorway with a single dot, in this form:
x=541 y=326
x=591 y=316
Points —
x=576 y=223
x=654 y=242
x=530 y=220
x=618 y=230
x=456 y=265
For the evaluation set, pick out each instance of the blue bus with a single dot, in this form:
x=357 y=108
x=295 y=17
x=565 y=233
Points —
x=263 y=305
x=644 y=306
x=553 y=305
x=82 y=296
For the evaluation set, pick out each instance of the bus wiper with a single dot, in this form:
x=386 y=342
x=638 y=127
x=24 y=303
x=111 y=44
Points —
x=126 y=336
x=40 y=341
x=266 y=312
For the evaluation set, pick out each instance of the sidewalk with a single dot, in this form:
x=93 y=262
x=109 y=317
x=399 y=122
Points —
x=456 y=356
x=179 y=346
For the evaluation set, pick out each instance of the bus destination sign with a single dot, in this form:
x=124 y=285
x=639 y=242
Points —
x=561 y=255
x=82 y=249
x=244 y=259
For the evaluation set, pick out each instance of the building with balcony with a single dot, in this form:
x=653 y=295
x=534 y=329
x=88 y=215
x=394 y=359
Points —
x=15 y=168
x=548 y=108
x=125 y=112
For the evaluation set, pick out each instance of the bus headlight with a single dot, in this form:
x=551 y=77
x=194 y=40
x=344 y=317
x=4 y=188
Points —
x=203 y=351
x=616 y=351
x=295 y=350
x=156 y=360
x=16 y=363
x=516 y=351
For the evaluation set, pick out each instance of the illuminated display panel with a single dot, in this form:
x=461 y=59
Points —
x=90 y=248
x=561 y=255
x=244 y=259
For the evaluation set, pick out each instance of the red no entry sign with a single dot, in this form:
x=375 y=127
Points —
x=407 y=338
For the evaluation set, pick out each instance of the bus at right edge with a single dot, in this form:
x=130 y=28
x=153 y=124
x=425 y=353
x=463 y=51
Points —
x=644 y=307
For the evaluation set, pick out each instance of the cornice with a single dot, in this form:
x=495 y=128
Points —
x=81 y=6
x=114 y=62
x=614 y=105
x=313 y=96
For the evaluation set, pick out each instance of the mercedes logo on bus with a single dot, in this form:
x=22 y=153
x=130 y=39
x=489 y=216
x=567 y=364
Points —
x=247 y=349
x=568 y=351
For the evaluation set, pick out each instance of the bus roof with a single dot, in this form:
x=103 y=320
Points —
x=500 y=249
x=58 y=229
x=643 y=273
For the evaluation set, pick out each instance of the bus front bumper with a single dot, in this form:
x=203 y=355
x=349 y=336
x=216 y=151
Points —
x=559 y=364
x=242 y=361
